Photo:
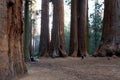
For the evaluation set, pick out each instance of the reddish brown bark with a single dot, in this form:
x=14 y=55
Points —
x=44 y=38
x=82 y=27
x=73 y=51
x=4 y=59
x=11 y=55
x=57 y=40
x=78 y=28
x=110 y=43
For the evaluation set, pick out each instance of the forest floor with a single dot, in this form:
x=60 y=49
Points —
x=74 y=69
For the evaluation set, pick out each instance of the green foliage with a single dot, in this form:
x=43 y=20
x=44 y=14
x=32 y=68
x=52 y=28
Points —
x=67 y=37
x=36 y=54
x=67 y=25
x=95 y=27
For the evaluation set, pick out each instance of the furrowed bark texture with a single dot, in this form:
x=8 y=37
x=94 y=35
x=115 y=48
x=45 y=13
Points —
x=44 y=38
x=78 y=33
x=4 y=59
x=82 y=27
x=57 y=40
x=11 y=55
x=110 y=43
x=73 y=51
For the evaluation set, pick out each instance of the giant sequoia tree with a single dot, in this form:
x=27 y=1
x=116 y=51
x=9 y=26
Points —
x=110 y=43
x=44 y=38
x=78 y=28
x=57 y=38
x=73 y=51
x=82 y=27
x=11 y=55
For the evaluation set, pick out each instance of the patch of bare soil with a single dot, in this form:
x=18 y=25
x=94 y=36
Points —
x=74 y=69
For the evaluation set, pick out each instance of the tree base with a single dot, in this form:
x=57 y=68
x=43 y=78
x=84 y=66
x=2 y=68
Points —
x=109 y=49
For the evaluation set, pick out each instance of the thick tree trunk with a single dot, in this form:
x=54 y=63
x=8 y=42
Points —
x=44 y=38
x=57 y=40
x=78 y=33
x=11 y=55
x=82 y=27
x=4 y=58
x=73 y=51
x=110 y=43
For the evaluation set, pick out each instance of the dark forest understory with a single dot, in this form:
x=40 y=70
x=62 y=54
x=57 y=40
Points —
x=74 y=69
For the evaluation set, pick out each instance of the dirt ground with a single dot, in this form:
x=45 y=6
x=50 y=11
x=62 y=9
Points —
x=74 y=69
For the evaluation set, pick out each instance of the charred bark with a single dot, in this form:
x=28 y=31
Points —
x=57 y=40
x=44 y=38
x=110 y=43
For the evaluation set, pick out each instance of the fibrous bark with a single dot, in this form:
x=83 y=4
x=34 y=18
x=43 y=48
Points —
x=82 y=27
x=57 y=38
x=11 y=55
x=44 y=38
x=110 y=43
x=78 y=46
x=73 y=51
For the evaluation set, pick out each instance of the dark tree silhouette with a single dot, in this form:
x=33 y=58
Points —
x=44 y=38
